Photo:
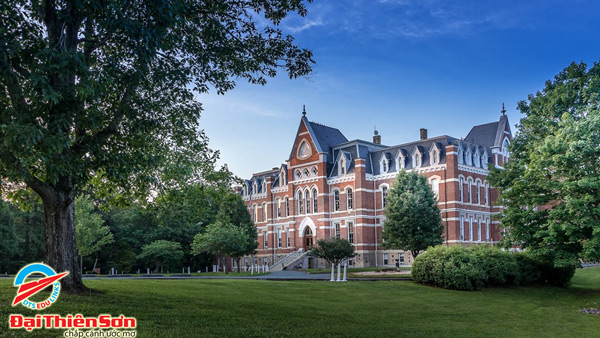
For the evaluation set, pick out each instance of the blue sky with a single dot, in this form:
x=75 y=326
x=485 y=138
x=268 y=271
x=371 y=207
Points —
x=401 y=65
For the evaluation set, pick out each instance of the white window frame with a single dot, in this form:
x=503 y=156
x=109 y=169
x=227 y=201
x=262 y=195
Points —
x=471 y=228
x=336 y=200
x=349 y=199
x=384 y=195
x=462 y=228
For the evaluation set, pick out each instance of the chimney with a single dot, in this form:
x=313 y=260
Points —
x=423 y=134
x=377 y=137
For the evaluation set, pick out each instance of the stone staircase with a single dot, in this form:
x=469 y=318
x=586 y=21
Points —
x=289 y=260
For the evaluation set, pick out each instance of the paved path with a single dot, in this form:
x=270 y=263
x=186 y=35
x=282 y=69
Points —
x=277 y=275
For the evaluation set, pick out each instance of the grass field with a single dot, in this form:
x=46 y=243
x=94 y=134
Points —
x=251 y=308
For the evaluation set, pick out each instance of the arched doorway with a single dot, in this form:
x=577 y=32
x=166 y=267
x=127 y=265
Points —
x=308 y=239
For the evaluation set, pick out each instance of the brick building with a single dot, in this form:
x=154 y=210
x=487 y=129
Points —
x=330 y=186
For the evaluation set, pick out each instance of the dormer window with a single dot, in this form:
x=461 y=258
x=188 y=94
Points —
x=469 y=156
x=282 y=181
x=342 y=167
x=484 y=159
x=436 y=157
x=477 y=158
x=416 y=160
x=264 y=186
x=245 y=189
x=461 y=155
x=505 y=152
x=383 y=165
x=255 y=188
x=400 y=162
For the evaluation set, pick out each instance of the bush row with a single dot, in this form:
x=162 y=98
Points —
x=471 y=268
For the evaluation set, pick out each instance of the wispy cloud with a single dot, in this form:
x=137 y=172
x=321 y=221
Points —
x=387 y=19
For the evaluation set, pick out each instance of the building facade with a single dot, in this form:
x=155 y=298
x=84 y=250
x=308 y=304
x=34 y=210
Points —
x=332 y=187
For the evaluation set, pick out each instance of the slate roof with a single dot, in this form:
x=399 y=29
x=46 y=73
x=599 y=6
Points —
x=325 y=137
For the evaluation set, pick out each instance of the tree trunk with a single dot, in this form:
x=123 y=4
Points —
x=61 y=252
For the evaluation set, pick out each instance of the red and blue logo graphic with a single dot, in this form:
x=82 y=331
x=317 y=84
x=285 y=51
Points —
x=26 y=290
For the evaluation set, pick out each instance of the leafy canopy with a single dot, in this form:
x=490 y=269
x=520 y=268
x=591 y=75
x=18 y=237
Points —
x=550 y=187
x=105 y=90
x=412 y=217
x=162 y=253
x=90 y=232
x=333 y=250
x=223 y=240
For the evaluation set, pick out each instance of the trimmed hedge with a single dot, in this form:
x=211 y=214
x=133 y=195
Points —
x=471 y=268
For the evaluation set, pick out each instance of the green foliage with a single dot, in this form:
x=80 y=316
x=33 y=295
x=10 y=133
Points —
x=101 y=96
x=90 y=231
x=471 y=268
x=332 y=250
x=448 y=267
x=412 y=217
x=550 y=185
x=164 y=254
x=224 y=240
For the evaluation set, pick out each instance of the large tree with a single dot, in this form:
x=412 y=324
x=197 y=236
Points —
x=105 y=90
x=412 y=217
x=550 y=188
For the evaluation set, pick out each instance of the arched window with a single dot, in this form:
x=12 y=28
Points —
x=383 y=165
x=342 y=167
x=255 y=188
x=461 y=185
x=315 y=201
x=300 y=203
x=400 y=162
x=384 y=195
x=470 y=190
x=304 y=150
x=435 y=187
x=336 y=200
x=307 y=200
x=265 y=214
x=469 y=156
x=265 y=240
x=487 y=229
x=255 y=213
x=505 y=152
x=478 y=193
x=278 y=207
x=349 y=199
x=487 y=191
x=282 y=181
x=287 y=206
x=416 y=160
x=479 y=229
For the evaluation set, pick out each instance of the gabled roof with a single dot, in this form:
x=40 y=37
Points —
x=324 y=137
x=489 y=135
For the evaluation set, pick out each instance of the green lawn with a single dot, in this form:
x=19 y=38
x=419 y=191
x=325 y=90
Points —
x=251 y=308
